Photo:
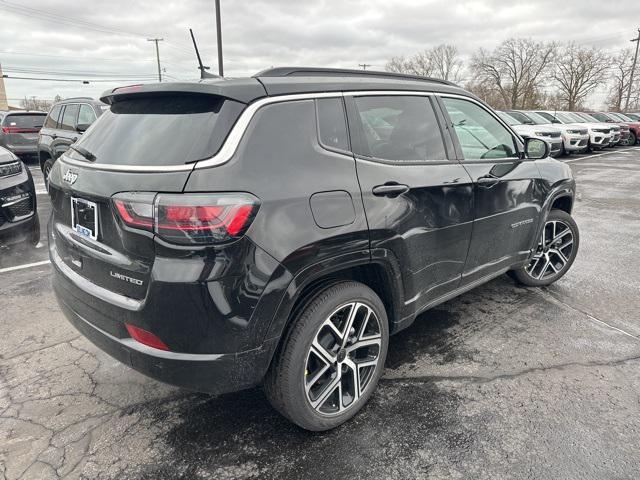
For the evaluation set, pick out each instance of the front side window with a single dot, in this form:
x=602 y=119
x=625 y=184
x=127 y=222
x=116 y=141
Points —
x=69 y=117
x=332 y=125
x=480 y=134
x=399 y=128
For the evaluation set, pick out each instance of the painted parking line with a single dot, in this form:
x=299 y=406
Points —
x=589 y=157
x=22 y=267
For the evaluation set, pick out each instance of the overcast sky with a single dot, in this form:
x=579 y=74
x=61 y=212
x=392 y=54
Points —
x=108 y=39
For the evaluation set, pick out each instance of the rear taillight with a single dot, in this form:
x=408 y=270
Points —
x=19 y=130
x=189 y=218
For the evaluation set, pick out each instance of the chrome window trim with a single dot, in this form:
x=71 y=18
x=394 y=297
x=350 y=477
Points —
x=237 y=132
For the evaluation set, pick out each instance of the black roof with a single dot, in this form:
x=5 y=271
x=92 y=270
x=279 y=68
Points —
x=290 y=80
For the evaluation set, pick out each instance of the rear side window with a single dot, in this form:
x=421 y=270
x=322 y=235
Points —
x=399 y=128
x=161 y=130
x=69 y=116
x=86 y=116
x=52 y=118
x=24 y=120
x=332 y=125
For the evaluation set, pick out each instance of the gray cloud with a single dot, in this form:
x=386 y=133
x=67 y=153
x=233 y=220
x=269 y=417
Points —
x=259 y=34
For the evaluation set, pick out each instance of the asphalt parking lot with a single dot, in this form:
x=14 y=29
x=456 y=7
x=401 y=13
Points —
x=502 y=382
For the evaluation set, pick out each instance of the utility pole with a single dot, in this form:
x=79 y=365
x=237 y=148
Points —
x=156 y=40
x=633 y=70
x=219 y=34
x=364 y=65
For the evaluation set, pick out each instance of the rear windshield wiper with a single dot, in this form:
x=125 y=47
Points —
x=84 y=152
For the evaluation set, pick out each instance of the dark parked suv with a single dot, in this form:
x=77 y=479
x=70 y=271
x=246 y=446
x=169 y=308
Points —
x=277 y=229
x=65 y=123
x=18 y=217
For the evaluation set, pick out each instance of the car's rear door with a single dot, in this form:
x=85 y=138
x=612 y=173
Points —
x=418 y=199
x=507 y=190
x=66 y=133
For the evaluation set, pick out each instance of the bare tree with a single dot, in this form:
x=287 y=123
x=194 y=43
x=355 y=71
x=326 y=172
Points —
x=446 y=62
x=620 y=77
x=517 y=69
x=418 y=64
x=579 y=71
x=33 y=103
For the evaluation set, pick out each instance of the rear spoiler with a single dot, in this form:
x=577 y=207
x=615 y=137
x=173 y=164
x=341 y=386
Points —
x=244 y=90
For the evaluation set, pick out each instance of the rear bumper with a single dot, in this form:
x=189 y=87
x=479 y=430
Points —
x=23 y=149
x=210 y=373
x=216 y=345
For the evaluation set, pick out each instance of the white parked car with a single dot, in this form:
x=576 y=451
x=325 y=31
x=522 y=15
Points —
x=600 y=134
x=575 y=137
x=551 y=135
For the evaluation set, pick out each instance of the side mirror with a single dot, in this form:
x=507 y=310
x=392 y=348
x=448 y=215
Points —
x=82 y=127
x=536 y=148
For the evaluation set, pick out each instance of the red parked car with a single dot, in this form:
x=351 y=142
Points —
x=634 y=126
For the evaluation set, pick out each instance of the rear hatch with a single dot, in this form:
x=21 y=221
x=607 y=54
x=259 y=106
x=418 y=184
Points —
x=21 y=129
x=103 y=189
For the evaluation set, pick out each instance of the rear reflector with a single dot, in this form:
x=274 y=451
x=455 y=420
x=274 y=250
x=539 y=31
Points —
x=189 y=219
x=146 y=338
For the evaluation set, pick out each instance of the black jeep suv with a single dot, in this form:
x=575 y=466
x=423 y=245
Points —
x=65 y=123
x=277 y=229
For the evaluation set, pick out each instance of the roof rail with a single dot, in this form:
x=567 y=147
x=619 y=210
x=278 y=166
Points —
x=76 y=98
x=343 y=72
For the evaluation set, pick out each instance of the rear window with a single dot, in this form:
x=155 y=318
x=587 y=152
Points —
x=160 y=130
x=24 y=120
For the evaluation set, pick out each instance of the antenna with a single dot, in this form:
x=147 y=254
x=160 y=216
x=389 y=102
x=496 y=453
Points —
x=203 y=73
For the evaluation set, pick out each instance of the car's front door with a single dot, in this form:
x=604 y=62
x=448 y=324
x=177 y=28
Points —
x=508 y=196
x=418 y=198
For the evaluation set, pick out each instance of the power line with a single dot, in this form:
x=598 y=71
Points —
x=72 y=21
x=77 y=80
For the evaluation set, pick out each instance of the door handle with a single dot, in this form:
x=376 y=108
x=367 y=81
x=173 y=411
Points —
x=487 y=182
x=390 y=189
x=54 y=136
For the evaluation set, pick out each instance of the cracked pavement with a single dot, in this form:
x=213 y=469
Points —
x=502 y=382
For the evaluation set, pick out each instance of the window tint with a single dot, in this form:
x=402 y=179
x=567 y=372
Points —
x=400 y=128
x=480 y=134
x=166 y=130
x=86 y=115
x=52 y=119
x=521 y=117
x=332 y=125
x=69 y=116
x=24 y=120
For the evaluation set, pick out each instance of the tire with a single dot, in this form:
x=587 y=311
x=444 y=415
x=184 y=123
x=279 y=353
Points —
x=550 y=264
x=632 y=139
x=311 y=391
x=46 y=169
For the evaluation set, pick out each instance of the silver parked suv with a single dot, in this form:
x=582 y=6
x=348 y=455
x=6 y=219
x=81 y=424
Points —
x=19 y=131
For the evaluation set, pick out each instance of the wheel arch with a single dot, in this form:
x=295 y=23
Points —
x=379 y=272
